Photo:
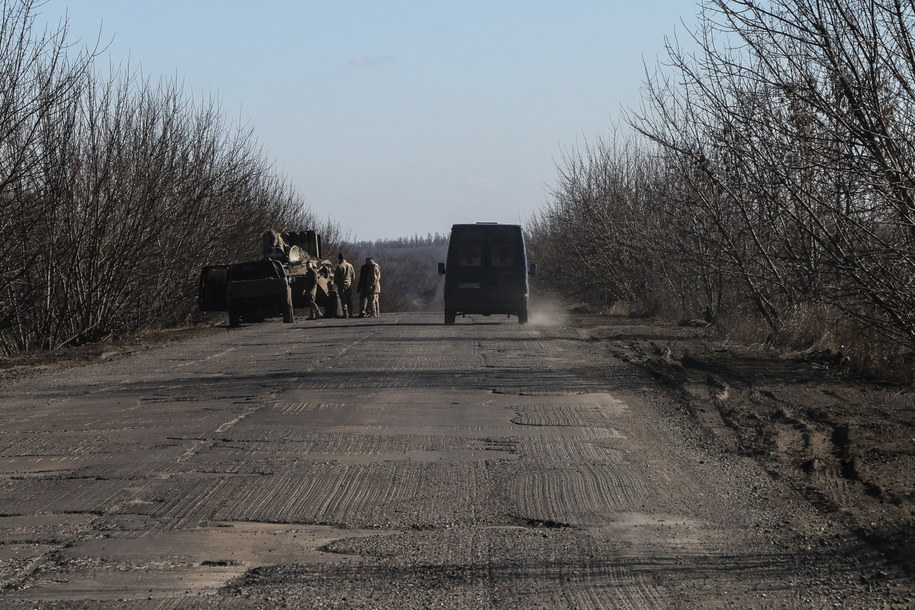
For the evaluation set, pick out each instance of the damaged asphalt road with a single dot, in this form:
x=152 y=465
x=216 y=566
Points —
x=398 y=462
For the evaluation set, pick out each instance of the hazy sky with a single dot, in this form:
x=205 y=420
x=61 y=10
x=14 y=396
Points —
x=398 y=117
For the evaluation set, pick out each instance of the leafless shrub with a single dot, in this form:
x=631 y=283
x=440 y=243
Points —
x=113 y=192
x=591 y=239
x=783 y=177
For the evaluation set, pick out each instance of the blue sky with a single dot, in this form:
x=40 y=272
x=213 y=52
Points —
x=396 y=117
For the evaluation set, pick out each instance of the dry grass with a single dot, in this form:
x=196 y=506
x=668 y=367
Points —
x=810 y=331
x=820 y=330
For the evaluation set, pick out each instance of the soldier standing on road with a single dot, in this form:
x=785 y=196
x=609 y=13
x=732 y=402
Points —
x=310 y=290
x=369 y=287
x=376 y=290
x=344 y=275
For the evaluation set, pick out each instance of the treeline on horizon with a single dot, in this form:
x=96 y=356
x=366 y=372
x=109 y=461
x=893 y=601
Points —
x=769 y=189
x=414 y=241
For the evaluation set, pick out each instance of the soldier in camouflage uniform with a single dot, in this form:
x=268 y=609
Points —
x=369 y=287
x=344 y=275
x=376 y=290
x=311 y=290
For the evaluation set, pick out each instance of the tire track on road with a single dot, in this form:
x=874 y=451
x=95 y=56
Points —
x=105 y=498
x=576 y=494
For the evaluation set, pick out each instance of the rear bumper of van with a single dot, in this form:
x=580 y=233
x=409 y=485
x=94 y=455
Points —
x=478 y=304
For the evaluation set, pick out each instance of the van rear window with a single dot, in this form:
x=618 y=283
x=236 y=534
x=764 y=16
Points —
x=470 y=255
x=501 y=255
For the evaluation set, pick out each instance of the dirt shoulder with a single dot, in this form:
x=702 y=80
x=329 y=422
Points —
x=848 y=445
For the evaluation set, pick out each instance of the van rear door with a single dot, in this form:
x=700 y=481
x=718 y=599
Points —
x=486 y=271
x=211 y=293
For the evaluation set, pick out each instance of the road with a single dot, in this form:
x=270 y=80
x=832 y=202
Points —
x=392 y=462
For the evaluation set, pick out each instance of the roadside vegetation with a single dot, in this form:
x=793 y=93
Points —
x=769 y=191
x=114 y=190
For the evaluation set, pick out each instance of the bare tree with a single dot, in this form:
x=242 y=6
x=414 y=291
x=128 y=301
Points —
x=39 y=82
x=782 y=178
x=114 y=191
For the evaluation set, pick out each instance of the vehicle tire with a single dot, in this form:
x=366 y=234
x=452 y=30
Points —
x=450 y=316
x=522 y=316
x=289 y=315
x=234 y=319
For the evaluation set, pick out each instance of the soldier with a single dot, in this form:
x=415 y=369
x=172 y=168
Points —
x=333 y=308
x=376 y=291
x=369 y=287
x=310 y=291
x=344 y=274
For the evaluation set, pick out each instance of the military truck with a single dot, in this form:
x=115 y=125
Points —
x=272 y=286
x=486 y=271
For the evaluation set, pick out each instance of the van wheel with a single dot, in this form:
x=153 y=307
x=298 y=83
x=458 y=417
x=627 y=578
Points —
x=234 y=318
x=288 y=315
x=450 y=316
x=522 y=316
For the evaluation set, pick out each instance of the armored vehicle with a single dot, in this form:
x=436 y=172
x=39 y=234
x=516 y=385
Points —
x=251 y=291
